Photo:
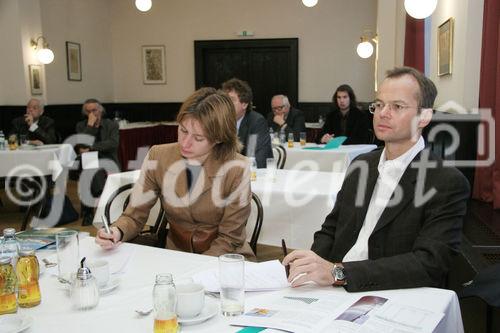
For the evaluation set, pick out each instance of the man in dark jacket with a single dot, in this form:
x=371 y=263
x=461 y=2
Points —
x=252 y=127
x=106 y=140
x=38 y=128
x=285 y=117
x=346 y=119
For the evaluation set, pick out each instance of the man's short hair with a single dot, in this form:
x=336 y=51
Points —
x=93 y=100
x=428 y=92
x=241 y=88
x=284 y=99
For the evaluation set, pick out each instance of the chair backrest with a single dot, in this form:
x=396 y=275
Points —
x=254 y=222
x=279 y=154
x=118 y=201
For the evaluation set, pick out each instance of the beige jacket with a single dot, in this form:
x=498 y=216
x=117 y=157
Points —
x=163 y=175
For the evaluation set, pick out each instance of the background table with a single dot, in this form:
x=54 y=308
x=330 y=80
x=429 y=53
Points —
x=326 y=160
x=115 y=311
x=295 y=204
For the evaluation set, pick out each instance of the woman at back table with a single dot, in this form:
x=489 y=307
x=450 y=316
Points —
x=202 y=181
x=346 y=119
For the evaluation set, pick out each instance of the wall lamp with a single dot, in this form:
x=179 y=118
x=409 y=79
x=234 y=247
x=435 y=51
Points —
x=42 y=51
x=309 y=3
x=143 y=5
x=365 y=50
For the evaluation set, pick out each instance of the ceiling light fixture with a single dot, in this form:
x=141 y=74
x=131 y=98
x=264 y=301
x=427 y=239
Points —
x=42 y=51
x=420 y=9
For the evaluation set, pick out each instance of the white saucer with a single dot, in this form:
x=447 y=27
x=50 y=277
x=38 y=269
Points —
x=14 y=323
x=112 y=284
x=210 y=309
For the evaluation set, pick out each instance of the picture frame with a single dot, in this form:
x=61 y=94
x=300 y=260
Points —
x=445 y=47
x=35 y=79
x=74 y=61
x=153 y=64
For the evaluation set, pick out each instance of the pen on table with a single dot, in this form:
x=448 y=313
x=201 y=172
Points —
x=285 y=252
x=106 y=226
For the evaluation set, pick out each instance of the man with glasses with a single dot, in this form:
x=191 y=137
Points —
x=284 y=117
x=39 y=129
x=397 y=219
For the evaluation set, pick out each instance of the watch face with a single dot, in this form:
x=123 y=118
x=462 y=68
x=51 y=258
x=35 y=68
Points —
x=338 y=273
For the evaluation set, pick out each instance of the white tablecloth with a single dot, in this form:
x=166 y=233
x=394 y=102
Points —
x=115 y=311
x=323 y=160
x=36 y=161
x=295 y=204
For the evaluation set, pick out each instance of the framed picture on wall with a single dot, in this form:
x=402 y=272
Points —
x=153 y=64
x=74 y=61
x=36 y=79
x=445 y=47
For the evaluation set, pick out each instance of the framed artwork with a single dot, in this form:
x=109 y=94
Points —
x=153 y=64
x=36 y=79
x=445 y=47
x=74 y=61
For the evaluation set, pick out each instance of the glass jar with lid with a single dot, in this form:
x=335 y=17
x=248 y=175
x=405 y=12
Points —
x=165 y=302
x=8 y=282
x=27 y=270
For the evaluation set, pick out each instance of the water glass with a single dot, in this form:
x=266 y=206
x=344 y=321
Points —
x=67 y=253
x=23 y=140
x=271 y=167
x=290 y=140
x=303 y=138
x=232 y=284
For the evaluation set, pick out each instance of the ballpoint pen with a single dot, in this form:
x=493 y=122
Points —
x=285 y=252
x=106 y=226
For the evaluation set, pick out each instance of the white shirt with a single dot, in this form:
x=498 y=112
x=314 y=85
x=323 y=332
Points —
x=390 y=172
x=238 y=123
x=33 y=126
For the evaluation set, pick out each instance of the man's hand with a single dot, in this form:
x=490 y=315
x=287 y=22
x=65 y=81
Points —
x=108 y=241
x=28 y=119
x=279 y=119
x=82 y=150
x=92 y=120
x=308 y=266
x=327 y=137
x=35 y=142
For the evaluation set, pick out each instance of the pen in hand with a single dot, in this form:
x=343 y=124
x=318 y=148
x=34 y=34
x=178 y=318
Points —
x=106 y=226
x=285 y=252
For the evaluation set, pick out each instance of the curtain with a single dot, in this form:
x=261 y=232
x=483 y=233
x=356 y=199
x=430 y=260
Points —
x=487 y=179
x=414 y=43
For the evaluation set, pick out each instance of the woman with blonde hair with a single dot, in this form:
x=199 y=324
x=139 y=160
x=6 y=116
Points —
x=202 y=181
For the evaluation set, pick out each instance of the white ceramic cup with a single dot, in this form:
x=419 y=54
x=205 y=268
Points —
x=100 y=271
x=190 y=299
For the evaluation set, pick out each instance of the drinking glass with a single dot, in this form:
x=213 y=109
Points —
x=67 y=253
x=302 y=138
x=232 y=284
x=290 y=140
x=23 y=140
x=271 y=167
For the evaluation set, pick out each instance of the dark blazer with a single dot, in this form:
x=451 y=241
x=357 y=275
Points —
x=295 y=123
x=358 y=127
x=411 y=245
x=45 y=132
x=107 y=138
x=254 y=123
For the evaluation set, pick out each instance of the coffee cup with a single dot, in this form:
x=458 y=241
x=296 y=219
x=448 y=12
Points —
x=100 y=271
x=190 y=299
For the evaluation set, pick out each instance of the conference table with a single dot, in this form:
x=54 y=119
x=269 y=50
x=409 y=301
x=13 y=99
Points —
x=295 y=203
x=134 y=268
x=337 y=159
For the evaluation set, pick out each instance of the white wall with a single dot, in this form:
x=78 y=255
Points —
x=328 y=35
x=462 y=86
x=87 y=23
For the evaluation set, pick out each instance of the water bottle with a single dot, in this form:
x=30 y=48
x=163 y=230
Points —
x=10 y=246
x=282 y=136
x=2 y=141
x=271 y=133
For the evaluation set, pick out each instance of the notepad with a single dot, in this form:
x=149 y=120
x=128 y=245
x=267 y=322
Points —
x=332 y=144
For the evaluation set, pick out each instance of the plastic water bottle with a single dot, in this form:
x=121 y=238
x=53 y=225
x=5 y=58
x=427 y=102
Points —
x=10 y=246
x=2 y=141
x=271 y=133
x=282 y=136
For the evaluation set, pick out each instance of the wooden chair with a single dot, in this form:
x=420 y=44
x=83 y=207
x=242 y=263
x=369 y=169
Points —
x=254 y=222
x=279 y=154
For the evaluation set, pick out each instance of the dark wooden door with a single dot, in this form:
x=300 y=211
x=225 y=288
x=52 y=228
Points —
x=270 y=66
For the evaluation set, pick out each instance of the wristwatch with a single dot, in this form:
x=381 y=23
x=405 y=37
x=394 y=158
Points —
x=338 y=275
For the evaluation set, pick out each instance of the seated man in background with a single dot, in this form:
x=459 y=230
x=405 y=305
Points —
x=346 y=119
x=106 y=134
x=251 y=125
x=397 y=220
x=38 y=128
x=283 y=116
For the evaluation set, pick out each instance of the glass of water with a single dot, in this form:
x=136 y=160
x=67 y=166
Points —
x=271 y=167
x=232 y=284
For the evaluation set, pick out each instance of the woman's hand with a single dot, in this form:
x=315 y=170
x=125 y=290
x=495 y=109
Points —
x=108 y=241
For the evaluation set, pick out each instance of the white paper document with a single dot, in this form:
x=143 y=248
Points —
x=268 y=275
x=90 y=160
x=118 y=258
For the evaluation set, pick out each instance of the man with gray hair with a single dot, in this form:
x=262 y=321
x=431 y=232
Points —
x=285 y=117
x=38 y=128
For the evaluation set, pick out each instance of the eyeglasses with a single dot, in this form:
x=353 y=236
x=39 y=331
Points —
x=393 y=107
x=278 y=108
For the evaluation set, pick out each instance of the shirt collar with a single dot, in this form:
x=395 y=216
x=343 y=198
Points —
x=402 y=161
